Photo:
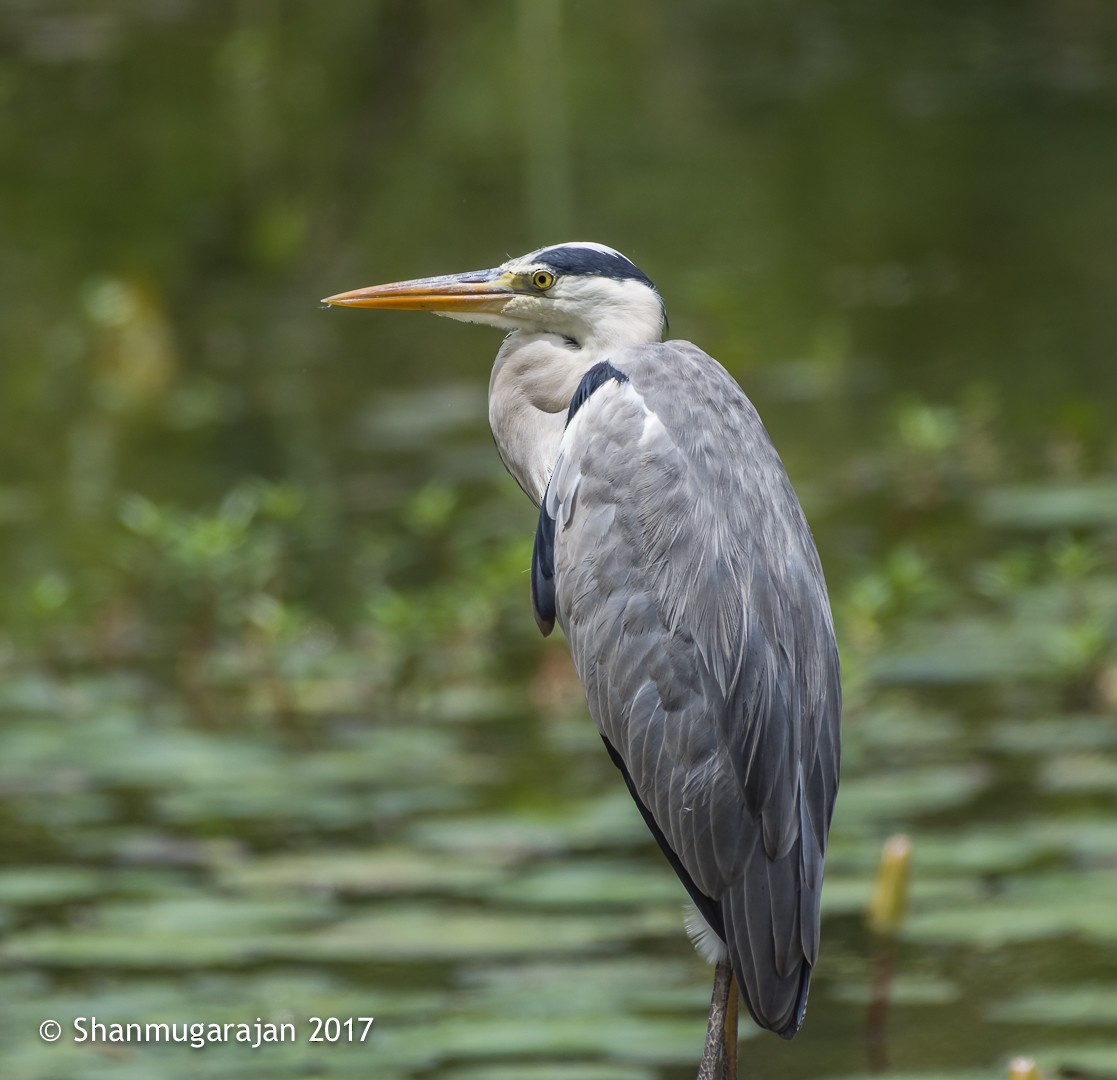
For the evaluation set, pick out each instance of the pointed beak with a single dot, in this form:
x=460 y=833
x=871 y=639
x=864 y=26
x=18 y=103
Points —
x=476 y=290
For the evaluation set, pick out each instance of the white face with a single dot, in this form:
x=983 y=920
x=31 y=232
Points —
x=558 y=292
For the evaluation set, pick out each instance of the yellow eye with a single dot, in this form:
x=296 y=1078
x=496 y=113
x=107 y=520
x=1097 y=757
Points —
x=542 y=280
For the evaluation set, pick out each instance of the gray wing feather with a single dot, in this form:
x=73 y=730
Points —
x=692 y=597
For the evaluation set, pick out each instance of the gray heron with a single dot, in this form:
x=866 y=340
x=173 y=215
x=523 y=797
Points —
x=674 y=554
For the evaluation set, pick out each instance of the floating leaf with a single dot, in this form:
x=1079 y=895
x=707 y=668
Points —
x=1075 y=1006
x=1087 y=838
x=580 y=986
x=904 y=794
x=1080 y=772
x=569 y=883
x=439 y=933
x=189 y=932
x=929 y=1074
x=1053 y=735
x=654 y=1040
x=48 y=884
x=571 y=1070
x=904 y=726
x=609 y=821
x=904 y=990
x=967 y=649
x=1050 y=507
x=1087 y=1057
x=1029 y=908
x=358 y=872
x=993 y=850
x=845 y=895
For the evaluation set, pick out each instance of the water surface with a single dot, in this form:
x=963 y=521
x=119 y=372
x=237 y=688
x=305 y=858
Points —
x=279 y=740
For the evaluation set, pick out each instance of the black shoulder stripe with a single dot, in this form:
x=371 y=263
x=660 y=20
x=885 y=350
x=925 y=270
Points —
x=543 y=571
x=543 y=553
x=597 y=376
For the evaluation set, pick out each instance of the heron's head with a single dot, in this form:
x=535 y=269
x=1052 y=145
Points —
x=582 y=292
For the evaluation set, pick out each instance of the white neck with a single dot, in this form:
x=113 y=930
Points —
x=554 y=343
x=533 y=379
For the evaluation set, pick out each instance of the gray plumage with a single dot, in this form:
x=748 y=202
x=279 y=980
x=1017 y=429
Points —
x=691 y=594
x=673 y=552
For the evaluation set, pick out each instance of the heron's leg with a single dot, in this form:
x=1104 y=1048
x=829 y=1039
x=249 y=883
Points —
x=730 y=1030
x=714 y=1054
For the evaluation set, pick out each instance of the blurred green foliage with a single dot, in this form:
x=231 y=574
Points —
x=277 y=733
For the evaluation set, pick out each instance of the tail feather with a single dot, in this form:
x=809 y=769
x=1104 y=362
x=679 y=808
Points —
x=763 y=915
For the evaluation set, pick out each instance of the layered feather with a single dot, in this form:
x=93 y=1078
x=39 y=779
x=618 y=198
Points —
x=688 y=585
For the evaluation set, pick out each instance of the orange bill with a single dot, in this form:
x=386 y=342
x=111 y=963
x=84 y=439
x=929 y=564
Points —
x=476 y=290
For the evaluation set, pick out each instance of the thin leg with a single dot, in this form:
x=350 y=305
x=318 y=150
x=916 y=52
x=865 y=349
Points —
x=730 y=1032
x=714 y=1054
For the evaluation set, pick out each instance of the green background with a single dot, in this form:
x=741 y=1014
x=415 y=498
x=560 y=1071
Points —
x=277 y=735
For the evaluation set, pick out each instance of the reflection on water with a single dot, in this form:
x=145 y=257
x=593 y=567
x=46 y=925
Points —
x=277 y=737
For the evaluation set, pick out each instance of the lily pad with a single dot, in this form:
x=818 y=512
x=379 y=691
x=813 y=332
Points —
x=656 y=1040
x=48 y=884
x=929 y=1074
x=969 y=649
x=591 y=884
x=1030 y=908
x=439 y=934
x=580 y=986
x=191 y=932
x=357 y=872
x=1049 y=507
x=1080 y=772
x=606 y=822
x=336 y=787
x=1086 y=1056
x=571 y=1070
x=845 y=895
x=1054 y=735
x=121 y=745
x=904 y=726
x=994 y=850
x=1075 y=1006
x=1090 y=839
x=904 y=990
x=904 y=794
